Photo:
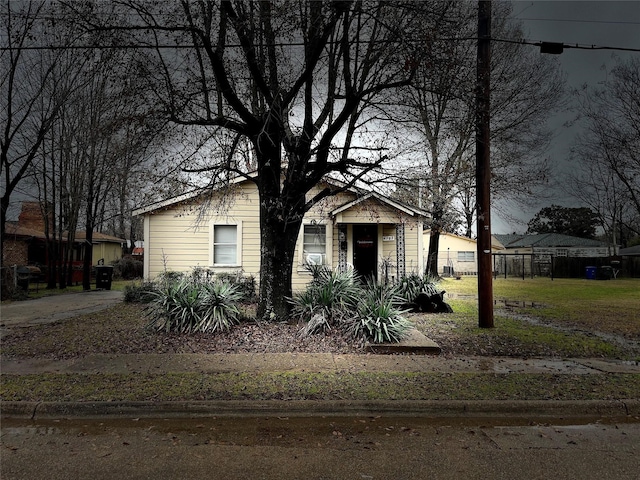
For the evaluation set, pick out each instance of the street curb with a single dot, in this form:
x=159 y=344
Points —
x=529 y=409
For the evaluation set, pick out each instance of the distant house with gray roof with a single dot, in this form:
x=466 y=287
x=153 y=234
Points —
x=548 y=254
x=554 y=244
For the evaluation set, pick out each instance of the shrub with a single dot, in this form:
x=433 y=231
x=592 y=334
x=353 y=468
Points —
x=218 y=309
x=328 y=298
x=338 y=300
x=377 y=319
x=410 y=286
x=246 y=284
x=186 y=305
x=127 y=268
x=142 y=292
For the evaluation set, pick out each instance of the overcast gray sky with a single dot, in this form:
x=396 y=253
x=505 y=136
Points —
x=600 y=23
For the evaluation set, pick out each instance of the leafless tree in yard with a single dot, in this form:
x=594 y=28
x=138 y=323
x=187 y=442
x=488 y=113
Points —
x=27 y=109
x=607 y=155
x=298 y=80
x=440 y=110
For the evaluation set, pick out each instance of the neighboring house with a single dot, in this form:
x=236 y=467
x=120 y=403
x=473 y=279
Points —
x=630 y=251
x=457 y=254
x=366 y=231
x=536 y=254
x=554 y=244
x=25 y=241
x=106 y=248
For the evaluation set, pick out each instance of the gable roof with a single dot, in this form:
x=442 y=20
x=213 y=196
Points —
x=382 y=199
x=99 y=237
x=185 y=197
x=547 y=240
x=363 y=195
x=16 y=230
x=495 y=243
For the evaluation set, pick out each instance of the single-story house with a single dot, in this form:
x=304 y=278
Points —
x=554 y=244
x=536 y=254
x=25 y=241
x=457 y=254
x=373 y=234
x=106 y=248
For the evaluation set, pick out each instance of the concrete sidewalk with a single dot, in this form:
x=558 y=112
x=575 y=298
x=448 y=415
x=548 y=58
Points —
x=50 y=309
x=311 y=363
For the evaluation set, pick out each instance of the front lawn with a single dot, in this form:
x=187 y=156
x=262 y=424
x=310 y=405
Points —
x=608 y=306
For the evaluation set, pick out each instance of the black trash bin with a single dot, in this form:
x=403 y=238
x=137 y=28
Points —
x=605 y=273
x=104 y=274
x=23 y=275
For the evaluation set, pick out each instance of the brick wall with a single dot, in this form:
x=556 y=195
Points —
x=31 y=216
x=15 y=252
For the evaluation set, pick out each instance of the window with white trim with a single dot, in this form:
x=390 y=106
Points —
x=466 y=256
x=314 y=244
x=226 y=246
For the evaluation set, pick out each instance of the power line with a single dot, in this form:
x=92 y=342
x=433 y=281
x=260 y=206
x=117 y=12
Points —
x=613 y=22
x=560 y=46
x=300 y=44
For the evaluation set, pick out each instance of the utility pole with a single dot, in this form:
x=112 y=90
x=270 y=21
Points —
x=483 y=166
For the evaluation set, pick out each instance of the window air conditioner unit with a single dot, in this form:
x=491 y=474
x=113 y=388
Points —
x=314 y=258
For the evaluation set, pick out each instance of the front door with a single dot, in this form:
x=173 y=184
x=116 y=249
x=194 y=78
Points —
x=365 y=250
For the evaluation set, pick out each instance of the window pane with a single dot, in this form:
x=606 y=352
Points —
x=225 y=254
x=466 y=256
x=314 y=243
x=224 y=234
x=225 y=245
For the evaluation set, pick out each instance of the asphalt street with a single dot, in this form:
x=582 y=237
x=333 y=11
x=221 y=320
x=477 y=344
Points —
x=271 y=448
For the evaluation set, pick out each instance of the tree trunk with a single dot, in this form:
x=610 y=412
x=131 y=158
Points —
x=278 y=243
x=434 y=245
x=4 y=206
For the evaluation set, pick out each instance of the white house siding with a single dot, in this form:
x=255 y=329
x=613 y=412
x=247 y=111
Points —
x=178 y=237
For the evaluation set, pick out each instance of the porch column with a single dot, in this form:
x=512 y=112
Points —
x=400 y=254
x=342 y=248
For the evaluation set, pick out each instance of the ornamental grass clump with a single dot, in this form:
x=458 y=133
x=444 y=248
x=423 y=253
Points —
x=329 y=297
x=186 y=305
x=340 y=300
x=377 y=318
x=411 y=286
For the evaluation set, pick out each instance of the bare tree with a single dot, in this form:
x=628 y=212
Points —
x=27 y=108
x=525 y=88
x=298 y=80
x=608 y=152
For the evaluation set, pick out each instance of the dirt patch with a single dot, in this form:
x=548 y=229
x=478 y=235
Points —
x=121 y=330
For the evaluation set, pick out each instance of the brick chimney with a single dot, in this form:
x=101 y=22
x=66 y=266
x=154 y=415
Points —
x=31 y=216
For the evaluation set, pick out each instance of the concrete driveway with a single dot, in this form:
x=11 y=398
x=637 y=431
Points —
x=56 y=307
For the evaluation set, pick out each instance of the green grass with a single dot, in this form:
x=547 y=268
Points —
x=318 y=386
x=610 y=306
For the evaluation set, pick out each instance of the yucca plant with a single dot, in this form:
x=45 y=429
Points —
x=377 y=319
x=186 y=306
x=410 y=286
x=329 y=297
x=218 y=306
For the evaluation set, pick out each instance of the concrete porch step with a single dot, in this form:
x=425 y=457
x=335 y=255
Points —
x=416 y=343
